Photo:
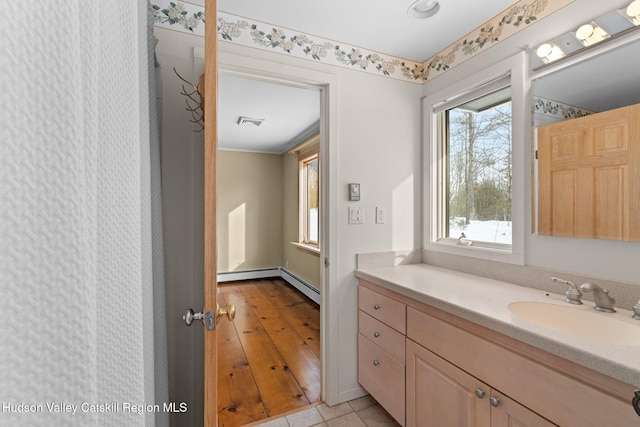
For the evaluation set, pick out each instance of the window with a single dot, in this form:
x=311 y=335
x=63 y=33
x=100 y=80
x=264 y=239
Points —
x=477 y=160
x=475 y=188
x=310 y=199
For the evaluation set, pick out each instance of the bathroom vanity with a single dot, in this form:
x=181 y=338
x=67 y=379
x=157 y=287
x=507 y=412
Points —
x=442 y=348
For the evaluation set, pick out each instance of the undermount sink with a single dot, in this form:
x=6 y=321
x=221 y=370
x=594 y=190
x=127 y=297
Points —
x=583 y=323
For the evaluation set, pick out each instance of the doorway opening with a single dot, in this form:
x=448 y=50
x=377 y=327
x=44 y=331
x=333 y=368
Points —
x=270 y=246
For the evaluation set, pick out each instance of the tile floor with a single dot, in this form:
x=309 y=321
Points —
x=362 y=412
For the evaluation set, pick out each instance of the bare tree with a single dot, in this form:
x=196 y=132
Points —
x=480 y=163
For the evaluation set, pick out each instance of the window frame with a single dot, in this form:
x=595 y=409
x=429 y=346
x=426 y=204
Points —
x=303 y=218
x=443 y=148
x=511 y=71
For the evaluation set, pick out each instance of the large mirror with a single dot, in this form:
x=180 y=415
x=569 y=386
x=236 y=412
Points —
x=587 y=147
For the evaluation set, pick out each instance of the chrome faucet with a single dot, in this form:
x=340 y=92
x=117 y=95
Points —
x=600 y=296
x=636 y=310
x=573 y=294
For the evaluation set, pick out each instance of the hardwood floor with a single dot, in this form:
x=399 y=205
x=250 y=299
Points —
x=269 y=357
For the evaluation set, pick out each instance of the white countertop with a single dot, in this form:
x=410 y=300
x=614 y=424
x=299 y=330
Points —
x=485 y=302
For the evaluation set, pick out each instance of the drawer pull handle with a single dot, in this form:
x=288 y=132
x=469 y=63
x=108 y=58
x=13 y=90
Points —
x=376 y=306
x=376 y=363
x=494 y=401
x=376 y=334
x=480 y=393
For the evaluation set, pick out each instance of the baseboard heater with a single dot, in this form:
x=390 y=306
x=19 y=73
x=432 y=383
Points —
x=300 y=284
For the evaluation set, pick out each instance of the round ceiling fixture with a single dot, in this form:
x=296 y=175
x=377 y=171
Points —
x=423 y=9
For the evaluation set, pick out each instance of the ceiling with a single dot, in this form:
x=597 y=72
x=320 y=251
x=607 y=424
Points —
x=379 y=25
x=291 y=114
x=383 y=26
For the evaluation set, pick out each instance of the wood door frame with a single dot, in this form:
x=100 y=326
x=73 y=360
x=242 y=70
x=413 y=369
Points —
x=327 y=84
x=210 y=267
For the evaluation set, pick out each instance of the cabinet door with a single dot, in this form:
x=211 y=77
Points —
x=508 y=413
x=439 y=394
x=588 y=174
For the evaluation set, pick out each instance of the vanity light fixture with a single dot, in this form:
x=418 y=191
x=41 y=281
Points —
x=549 y=52
x=633 y=10
x=422 y=9
x=589 y=34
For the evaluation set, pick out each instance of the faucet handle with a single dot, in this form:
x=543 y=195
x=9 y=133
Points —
x=574 y=296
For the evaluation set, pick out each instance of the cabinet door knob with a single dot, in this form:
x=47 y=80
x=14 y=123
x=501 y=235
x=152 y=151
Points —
x=376 y=363
x=376 y=306
x=376 y=334
x=494 y=401
x=480 y=393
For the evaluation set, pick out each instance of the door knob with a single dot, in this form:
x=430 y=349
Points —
x=207 y=318
x=229 y=312
x=189 y=316
x=480 y=393
x=494 y=401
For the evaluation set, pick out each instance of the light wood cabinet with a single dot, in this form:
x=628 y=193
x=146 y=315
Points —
x=441 y=394
x=589 y=176
x=446 y=360
x=381 y=354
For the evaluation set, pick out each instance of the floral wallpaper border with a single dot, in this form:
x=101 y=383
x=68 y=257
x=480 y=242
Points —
x=557 y=109
x=504 y=25
x=177 y=15
x=253 y=33
x=189 y=18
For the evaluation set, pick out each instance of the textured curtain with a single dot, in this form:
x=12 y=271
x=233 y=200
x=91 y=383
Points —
x=79 y=269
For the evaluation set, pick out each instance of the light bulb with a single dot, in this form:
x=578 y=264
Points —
x=544 y=50
x=633 y=10
x=584 y=32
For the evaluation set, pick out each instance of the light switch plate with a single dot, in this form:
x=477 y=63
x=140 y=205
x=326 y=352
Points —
x=380 y=214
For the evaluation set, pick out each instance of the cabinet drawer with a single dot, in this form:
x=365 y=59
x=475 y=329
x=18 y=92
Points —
x=388 y=338
x=385 y=309
x=382 y=376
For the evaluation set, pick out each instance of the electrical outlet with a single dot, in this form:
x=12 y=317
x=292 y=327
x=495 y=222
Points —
x=356 y=215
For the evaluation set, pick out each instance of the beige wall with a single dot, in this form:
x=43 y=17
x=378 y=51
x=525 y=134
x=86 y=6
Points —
x=249 y=210
x=258 y=214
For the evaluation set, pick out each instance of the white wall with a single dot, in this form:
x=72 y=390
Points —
x=374 y=140
x=182 y=190
x=611 y=260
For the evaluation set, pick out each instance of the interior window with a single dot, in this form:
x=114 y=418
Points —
x=476 y=144
x=310 y=199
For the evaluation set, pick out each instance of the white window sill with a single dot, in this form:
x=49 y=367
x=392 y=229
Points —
x=504 y=254
x=306 y=247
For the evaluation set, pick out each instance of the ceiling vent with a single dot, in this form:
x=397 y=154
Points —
x=249 y=121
